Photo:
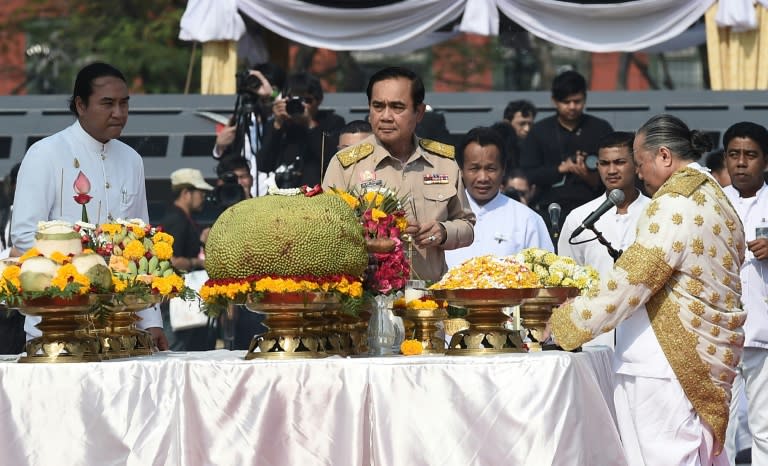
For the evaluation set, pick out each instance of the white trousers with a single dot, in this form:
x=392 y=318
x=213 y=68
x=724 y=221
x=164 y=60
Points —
x=737 y=437
x=658 y=425
x=755 y=373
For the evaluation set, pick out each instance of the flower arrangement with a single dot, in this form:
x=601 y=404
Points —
x=295 y=265
x=382 y=216
x=553 y=270
x=425 y=303
x=60 y=269
x=489 y=271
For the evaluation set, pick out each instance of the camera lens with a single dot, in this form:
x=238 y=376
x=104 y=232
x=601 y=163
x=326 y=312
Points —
x=294 y=106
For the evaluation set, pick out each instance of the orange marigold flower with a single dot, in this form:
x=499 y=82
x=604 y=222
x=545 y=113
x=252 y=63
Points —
x=134 y=250
x=137 y=231
x=163 y=251
x=31 y=252
x=162 y=237
x=411 y=347
x=59 y=258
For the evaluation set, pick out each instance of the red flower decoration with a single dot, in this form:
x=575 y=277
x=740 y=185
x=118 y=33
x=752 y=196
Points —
x=309 y=192
x=83 y=198
x=82 y=184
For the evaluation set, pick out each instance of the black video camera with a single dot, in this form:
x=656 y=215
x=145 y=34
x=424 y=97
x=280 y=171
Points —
x=247 y=83
x=228 y=193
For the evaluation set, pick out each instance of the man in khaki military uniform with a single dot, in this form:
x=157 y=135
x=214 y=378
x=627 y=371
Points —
x=423 y=170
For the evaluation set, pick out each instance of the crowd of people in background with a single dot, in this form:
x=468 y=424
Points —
x=491 y=191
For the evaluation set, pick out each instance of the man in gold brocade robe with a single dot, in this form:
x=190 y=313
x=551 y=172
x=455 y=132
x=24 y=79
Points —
x=672 y=390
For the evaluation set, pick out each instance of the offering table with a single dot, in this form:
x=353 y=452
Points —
x=217 y=408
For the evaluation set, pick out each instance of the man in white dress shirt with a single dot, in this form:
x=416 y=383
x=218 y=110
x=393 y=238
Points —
x=746 y=158
x=617 y=171
x=89 y=145
x=504 y=226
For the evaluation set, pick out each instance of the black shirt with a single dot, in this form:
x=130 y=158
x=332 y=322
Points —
x=185 y=232
x=301 y=146
x=547 y=145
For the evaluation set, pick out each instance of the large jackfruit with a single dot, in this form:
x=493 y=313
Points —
x=286 y=236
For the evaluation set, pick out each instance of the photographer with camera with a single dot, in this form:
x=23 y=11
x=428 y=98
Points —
x=558 y=154
x=189 y=188
x=301 y=140
x=242 y=137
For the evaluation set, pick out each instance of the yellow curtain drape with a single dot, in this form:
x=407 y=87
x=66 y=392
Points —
x=219 y=65
x=737 y=60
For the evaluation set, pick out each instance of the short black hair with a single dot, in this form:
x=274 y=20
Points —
x=394 y=72
x=299 y=84
x=525 y=108
x=568 y=83
x=747 y=129
x=84 y=82
x=356 y=126
x=515 y=173
x=274 y=74
x=231 y=163
x=715 y=160
x=484 y=136
x=617 y=139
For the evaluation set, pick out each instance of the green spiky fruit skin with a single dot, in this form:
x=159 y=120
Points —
x=286 y=236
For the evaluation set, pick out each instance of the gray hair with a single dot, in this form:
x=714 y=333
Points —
x=670 y=132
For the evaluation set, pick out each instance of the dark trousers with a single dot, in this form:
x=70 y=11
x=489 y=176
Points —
x=12 y=335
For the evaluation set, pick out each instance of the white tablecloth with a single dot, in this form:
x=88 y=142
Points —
x=214 y=408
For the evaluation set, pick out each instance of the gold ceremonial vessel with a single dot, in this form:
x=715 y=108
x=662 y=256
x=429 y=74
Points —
x=118 y=334
x=294 y=325
x=63 y=324
x=486 y=333
x=425 y=329
x=535 y=312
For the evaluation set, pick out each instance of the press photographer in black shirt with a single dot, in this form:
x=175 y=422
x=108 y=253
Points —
x=559 y=154
x=301 y=140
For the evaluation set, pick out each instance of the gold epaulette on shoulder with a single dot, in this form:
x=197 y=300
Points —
x=437 y=148
x=684 y=182
x=354 y=153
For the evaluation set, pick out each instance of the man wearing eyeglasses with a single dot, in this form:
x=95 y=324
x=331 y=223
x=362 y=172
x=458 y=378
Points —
x=301 y=140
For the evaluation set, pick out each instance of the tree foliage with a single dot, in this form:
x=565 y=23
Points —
x=139 y=37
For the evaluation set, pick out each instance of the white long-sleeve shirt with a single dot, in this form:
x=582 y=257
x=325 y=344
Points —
x=754 y=273
x=503 y=227
x=44 y=190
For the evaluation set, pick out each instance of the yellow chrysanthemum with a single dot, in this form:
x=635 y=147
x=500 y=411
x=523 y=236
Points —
x=137 y=231
x=162 y=285
x=411 y=347
x=377 y=214
x=134 y=250
x=11 y=275
x=118 y=284
x=162 y=237
x=31 y=252
x=351 y=200
x=59 y=258
x=111 y=228
x=373 y=199
x=163 y=251
x=68 y=273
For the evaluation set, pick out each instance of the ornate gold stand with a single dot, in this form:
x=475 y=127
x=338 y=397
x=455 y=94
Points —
x=65 y=338
x=535 y=312
x=425 y=330
x=486 y=333
x=290 y=334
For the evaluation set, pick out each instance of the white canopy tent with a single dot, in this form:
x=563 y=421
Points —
x=607 y=27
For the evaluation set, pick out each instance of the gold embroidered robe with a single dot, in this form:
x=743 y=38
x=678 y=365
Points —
x=684 y=264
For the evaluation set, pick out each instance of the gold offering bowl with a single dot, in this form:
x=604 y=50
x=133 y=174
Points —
x=425 y=330
x=118 y=333
x=293 y=325
x=486 y=333
x=63 y=325
x=535 y=312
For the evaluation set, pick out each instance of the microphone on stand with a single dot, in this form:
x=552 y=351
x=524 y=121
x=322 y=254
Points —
x=554 y=218
x=615 y=198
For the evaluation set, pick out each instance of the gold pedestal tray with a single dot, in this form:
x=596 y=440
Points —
x=122 y=337
x=65 y=337
x=289 y=333
x=424 y=329
x=535 y=312
x=486 y=333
